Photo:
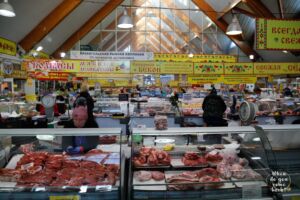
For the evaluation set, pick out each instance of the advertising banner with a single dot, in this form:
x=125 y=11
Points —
x=145 y=67
x=195 y=58
x=276 y=68
x=176 y=67
x=231 y=80
x=98 y=75
x=238 y=68
x=105 y=66
x=52 y=65
x=204 y=79
x=111 y=55
x=59 y=76
x=8 y=47
x=275 y=34
x=208 y=68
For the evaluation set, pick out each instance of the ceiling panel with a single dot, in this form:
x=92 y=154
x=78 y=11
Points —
x=222 y=6
x=70 y=25
x=28 y=14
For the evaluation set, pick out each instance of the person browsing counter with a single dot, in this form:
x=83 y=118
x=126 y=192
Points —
x=80 y=144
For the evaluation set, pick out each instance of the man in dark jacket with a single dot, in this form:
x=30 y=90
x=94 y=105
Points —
x=213 y=109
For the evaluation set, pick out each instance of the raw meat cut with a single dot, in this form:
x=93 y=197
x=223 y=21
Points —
x=143 y=176
x=157 y=175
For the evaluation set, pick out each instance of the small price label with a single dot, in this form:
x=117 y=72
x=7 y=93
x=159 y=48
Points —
x=67 y=197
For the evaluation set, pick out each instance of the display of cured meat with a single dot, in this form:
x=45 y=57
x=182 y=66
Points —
x=151 y=157
x=193 y=159
x=194 y=180
x=46 y=169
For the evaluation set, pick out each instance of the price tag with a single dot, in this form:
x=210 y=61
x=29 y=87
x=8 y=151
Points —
x=103 y=188
x=66 y=197
x=296 y=198
x=252 y=191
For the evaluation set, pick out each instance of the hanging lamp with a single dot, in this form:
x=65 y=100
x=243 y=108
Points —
x=6 y=9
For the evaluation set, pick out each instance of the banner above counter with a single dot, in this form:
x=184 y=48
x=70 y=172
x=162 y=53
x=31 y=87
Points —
x=92 y=68
x=207 y=58
x=111 y=55
x=8 y=47
x=275 y=34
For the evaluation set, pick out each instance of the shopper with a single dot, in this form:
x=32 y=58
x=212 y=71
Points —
x=213 y=109
x=80 y=144
x=89 y=100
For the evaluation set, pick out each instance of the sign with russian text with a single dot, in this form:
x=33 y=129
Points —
x=52 y=65
x=111 y=55
x=275 y=34
x=235 y=79
x=238 y=68
x=105 y=66
x=147 y=67
x=204 y=79
x=176 y=67
x=8 y=47
x=195 y=58
x=208 y=68
x=276 y=68
x=40 y=75
x=102 y=75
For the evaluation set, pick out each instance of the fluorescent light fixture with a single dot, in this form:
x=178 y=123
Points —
x=191 y=55
x=6 y=9
x=251 y=57
x=256 y=158
x=256 y=139
x=284 y=51
x=234 y=27
x=125 y=21
x=62 y=54
x=39 y=48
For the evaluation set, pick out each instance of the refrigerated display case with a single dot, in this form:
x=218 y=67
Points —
x=199 y=163
x=42 y=170
x=284 y=141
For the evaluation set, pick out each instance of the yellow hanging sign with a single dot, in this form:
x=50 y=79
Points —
x=121 y=82
x=238 y=68
x=176 y=67
x=275 y=34
x=204 y=79
x=8 y=47
x=145 y=67
x=232 y=80
x=195 y=58
x=276 y=68
x=208 y=68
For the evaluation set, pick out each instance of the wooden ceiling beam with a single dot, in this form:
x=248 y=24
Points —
x=259 y=8
x=88 y=26
x=222 y=24
x=48 y=24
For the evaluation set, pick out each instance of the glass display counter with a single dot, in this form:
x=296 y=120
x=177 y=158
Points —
x=199 y=163
x=40 y=169
x=284 y=141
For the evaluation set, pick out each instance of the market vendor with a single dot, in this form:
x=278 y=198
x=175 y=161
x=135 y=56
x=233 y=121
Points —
x=80 y=144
